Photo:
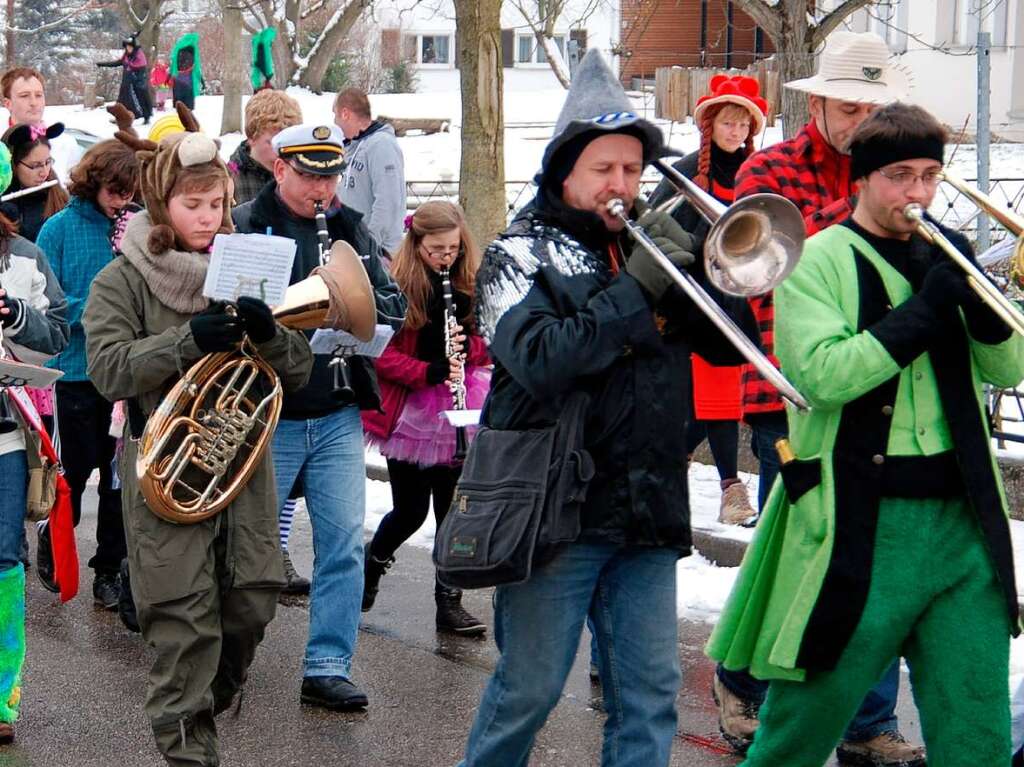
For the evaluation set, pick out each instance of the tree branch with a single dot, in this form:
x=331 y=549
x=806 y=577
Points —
x=316 y=6
x=824 y=27
x=769 y=18
x=91 y=5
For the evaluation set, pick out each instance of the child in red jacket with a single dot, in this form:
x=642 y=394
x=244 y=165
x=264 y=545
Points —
x=414 y=374
x=160 y=79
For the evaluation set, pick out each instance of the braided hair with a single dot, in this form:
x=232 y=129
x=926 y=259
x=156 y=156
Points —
x=707 y=126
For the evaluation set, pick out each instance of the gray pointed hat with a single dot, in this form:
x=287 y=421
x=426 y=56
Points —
x=597 y=102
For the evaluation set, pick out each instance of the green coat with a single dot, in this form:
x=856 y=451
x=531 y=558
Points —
x=262 y=60
x=826 y=354
x=190 y=40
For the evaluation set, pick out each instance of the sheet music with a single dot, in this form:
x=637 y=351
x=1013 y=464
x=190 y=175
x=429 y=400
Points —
x=19 y=374
x=258 y=265
x=339 y=342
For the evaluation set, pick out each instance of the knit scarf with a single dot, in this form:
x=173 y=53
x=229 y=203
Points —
x=176 y=277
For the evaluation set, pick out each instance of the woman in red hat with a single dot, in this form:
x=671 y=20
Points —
x=728 y=117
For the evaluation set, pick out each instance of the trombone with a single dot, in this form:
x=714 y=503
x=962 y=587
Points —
x=980 y=284
x=752 y=246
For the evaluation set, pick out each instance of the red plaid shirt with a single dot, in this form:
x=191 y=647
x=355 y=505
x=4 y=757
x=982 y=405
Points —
x=808 y=172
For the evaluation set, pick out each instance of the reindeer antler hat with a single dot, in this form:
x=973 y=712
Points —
x=160 y=165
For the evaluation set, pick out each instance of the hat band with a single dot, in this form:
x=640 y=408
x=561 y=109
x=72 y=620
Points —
x=862 y=81
x=311 y=148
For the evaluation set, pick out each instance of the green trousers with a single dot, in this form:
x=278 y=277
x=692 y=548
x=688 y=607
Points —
x=934 y=600
x=12 y=640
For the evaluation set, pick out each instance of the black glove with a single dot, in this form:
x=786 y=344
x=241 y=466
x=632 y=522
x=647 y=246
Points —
x=674 y=241
x=214 y=330
x=945 y=288
x=437 y=371
x=983 y=324
x=258 y=319
x=14 y=304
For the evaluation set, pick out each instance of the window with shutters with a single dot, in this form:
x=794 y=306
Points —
x=529 y=51
x=429 y=49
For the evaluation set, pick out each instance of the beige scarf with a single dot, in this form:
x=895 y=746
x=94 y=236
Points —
x=176 y=277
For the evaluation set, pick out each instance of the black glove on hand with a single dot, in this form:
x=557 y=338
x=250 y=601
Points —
x=214 y=330
x=14 y=304
x=258 y=319
x=437 y=371
x=983 y=324
x=945 y=288
x=674 y=241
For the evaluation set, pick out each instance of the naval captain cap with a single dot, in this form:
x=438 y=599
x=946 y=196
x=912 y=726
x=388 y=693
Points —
x=315 y=149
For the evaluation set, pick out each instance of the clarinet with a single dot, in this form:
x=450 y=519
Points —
x=457 y=388
x=321 y=232
x=343 y=390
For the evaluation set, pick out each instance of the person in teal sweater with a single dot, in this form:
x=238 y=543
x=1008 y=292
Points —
x=887 y=535
x=77 y=243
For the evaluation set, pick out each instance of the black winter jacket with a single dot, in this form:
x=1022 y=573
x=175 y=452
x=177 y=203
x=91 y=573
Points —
x=268 y=212
x=557 y=320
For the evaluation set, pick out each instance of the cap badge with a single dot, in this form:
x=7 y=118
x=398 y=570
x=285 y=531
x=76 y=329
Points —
x=321 y=133
x=872 y=73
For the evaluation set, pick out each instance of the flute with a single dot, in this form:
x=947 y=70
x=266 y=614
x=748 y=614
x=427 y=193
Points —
x=30 y=190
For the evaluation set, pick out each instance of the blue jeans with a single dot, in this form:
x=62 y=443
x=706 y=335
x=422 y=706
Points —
x=13 y=489
x=537 y=627
x=765 y=429
x=327 y=454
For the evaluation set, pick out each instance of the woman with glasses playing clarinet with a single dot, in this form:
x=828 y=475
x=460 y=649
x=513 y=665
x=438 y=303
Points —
x=436 y=362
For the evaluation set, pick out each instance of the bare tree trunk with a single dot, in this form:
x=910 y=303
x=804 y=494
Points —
x=234 y=68
x=797 y=39
x=337 y=29
x=9 y=38
x=482 y=171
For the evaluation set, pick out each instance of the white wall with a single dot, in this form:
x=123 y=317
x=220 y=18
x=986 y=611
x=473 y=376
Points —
x=945 y=81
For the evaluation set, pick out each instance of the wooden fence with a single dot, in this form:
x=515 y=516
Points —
x=676 y=89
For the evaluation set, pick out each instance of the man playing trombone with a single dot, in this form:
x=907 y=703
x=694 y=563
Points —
x=888 y=535
x=567 y=303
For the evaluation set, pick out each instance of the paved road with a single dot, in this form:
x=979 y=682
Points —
x=85 y=677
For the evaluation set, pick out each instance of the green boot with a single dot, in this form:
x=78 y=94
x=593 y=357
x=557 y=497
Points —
x=12 y=640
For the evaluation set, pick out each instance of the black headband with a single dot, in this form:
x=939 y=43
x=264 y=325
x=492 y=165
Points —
x=868 y=156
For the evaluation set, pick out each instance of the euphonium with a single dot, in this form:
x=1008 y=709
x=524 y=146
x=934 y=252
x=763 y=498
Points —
x=209 y=433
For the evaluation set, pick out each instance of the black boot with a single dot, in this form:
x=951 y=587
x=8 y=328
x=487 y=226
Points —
x=106 y=590
x=126 y=604
x=452 y=616
x=44 y=558
x=373 y=569
x=296 y=583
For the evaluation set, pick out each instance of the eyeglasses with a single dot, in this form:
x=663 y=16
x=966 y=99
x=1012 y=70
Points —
x=41 y=165
x=905 y=179
x=443 y=254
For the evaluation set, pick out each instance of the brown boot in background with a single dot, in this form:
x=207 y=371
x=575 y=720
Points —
x=735 y=508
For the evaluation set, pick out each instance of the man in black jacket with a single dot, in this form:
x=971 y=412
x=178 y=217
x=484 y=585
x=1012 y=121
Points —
x=567 y=303
x=319 y=438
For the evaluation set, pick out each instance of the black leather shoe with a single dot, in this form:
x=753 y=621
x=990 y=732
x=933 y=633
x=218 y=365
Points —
x=334 y=692
x=106 y=590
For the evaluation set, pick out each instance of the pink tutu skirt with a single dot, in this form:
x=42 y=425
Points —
x=422 y=434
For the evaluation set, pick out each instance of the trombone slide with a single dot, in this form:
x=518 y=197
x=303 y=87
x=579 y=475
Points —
x=714 y=312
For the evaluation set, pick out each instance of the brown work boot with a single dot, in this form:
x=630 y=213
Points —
x=890 y=749
x=735 y=508
x=737 y=718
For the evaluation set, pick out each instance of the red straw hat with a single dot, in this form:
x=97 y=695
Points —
x=739 y=90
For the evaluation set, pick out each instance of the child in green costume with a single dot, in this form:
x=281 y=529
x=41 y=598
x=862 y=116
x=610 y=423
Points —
x=888 y=534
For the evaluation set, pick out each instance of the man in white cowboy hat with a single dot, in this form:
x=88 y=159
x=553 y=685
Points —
x=812 y=170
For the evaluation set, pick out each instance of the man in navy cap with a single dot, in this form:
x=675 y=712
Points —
x=319 y=438
x=568 y=303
